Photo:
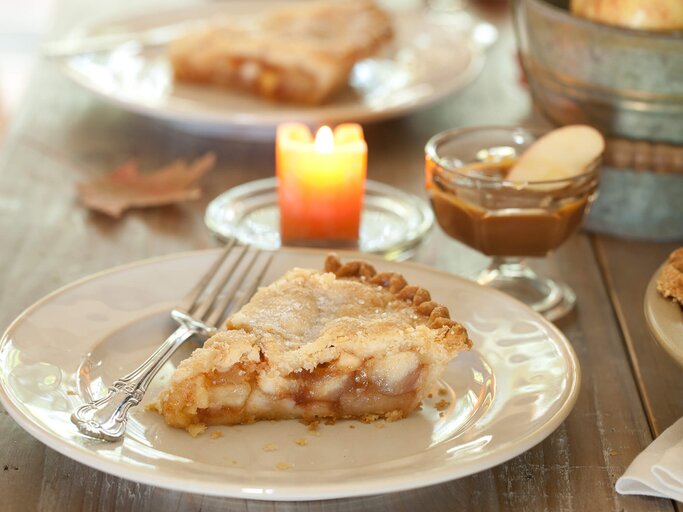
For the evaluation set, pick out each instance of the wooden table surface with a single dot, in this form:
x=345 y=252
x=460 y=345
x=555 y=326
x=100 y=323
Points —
x=631 y=389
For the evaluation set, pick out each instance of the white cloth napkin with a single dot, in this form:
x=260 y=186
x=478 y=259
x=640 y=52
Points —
x=658 y=471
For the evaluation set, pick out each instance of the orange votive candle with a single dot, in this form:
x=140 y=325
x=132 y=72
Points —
x=321 y=182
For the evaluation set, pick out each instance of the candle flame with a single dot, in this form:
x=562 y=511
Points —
x=324 y=140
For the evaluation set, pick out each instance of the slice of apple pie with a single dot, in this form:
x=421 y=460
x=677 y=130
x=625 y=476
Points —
x=299 y=53
x=347 y=342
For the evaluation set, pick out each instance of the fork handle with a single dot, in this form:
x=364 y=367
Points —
x=106 y=418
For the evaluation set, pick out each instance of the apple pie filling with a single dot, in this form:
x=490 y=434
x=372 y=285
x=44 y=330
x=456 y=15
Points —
x=345 y=388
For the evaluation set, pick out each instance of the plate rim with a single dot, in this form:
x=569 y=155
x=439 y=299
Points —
x=651 y=301
x=296 y=492
x=211 y=120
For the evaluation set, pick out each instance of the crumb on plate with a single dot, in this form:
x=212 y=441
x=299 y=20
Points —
x=196 y=429
x=154 y=407
x=311 y=425
x=442 y=405
x=392 y=416
x=369 y=418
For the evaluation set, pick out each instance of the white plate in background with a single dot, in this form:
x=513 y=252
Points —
x=433 y=54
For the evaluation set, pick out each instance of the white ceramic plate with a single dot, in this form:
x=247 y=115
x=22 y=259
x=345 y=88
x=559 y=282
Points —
x=665 y=318
x=431 y=57
x=511 y=391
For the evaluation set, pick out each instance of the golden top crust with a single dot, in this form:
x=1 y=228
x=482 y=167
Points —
x=437 y=315
x=349 y=313
x=670 y=280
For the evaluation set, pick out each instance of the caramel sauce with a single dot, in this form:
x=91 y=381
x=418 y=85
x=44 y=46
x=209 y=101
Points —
x=507 y=221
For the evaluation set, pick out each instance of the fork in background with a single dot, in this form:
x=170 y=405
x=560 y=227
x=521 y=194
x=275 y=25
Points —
x=200 y=313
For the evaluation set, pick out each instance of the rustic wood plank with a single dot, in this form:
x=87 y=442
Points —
x=607 y=427
x=628 y=266
x=21 y=464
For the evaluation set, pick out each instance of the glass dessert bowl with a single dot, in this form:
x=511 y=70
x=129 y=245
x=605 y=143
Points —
x=476 y=202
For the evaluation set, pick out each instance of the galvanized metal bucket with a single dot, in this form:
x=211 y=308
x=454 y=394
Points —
x=628 y=84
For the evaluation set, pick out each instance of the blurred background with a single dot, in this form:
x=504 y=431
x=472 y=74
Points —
x=25 y=23
x=22 y=25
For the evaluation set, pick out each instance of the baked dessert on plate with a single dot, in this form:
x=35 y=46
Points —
x=300 y=53
x=345 y=342
x=670 y=280
x=663 y=305
x=514 y=387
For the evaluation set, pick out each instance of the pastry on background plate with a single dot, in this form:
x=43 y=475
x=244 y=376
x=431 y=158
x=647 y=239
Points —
x=670 y=280
x=660 y=15
x=346 y=342
x=301 y=53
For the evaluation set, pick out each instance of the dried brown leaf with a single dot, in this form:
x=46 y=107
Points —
x=126 y=188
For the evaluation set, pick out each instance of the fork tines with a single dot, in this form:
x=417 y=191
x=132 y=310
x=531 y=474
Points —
x=245 y=271
x=228 y=285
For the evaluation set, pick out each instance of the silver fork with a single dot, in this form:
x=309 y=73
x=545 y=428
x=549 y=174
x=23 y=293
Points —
x=198 y=314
